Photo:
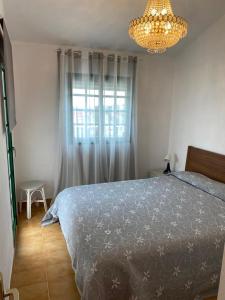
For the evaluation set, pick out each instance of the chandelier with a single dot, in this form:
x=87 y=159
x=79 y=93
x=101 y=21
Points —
x=158 y=29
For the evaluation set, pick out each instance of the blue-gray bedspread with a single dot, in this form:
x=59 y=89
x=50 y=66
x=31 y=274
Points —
x=159 y=238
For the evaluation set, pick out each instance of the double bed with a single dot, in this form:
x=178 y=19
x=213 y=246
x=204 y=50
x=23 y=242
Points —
x=159 y=238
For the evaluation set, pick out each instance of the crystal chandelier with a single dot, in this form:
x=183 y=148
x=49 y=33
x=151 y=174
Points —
x=158 y=29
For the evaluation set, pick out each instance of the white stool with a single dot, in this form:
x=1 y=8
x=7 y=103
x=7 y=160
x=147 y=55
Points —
x=29 y=188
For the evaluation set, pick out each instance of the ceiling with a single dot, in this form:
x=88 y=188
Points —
x=97 y=23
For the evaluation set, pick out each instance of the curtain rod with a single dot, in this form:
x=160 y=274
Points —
x=105 y=52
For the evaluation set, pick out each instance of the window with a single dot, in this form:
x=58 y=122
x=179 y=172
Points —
x=97 y=114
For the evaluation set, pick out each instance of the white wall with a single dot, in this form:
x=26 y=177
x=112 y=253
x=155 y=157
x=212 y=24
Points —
x=1 y=9
x=6 y=236
x=35 y=68
x=198 y=114
x=195 y=81
x=154 y=111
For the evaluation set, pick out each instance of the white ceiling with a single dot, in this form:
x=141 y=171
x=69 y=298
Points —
x=97 y=23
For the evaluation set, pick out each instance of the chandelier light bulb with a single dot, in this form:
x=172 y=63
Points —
x=164 y=11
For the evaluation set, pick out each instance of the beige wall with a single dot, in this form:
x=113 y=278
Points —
x=35 y=67
x=6 y=237
x=198 y=113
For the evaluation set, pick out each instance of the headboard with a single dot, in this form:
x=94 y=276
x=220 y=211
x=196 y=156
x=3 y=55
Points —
x=207 y=163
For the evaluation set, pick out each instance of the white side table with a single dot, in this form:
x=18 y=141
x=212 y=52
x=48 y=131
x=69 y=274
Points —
x=13 y=293
x=30 y=187
x=155 y=173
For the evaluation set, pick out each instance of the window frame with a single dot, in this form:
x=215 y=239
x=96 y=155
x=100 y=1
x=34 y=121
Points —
x=100 y=124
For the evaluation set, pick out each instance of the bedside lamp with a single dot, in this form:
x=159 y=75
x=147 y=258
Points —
x=167 y=160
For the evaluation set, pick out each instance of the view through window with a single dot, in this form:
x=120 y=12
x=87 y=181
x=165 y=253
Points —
x=97 y=114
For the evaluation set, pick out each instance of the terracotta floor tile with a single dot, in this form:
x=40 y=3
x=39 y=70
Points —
x=37 y=291
x=57 y=257
x=29 y=231
x=50 y=246
x=35 y=249
x=53 y=235
x=59 y=271
x=28 y=277
x=29 y=262
x=62 y=289
x=28 y=240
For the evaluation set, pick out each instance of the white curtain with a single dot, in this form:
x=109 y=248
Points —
x=97 y=118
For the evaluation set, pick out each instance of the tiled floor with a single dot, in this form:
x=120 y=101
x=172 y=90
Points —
x=42 y=267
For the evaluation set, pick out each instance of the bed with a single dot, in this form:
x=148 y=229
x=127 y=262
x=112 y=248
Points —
x=159 y=238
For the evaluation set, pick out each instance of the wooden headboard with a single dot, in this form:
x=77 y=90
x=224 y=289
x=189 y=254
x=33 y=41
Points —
x=207 y=163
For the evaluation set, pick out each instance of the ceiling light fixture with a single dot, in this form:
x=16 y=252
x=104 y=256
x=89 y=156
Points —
x=158 y=29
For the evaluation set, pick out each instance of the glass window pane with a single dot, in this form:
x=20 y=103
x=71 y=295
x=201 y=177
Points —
x=79 y=91
x=92 y=117
x=109 y=93
x=120 y=131
x=120 y=118
x=79 y=132
x=79 y=117
x=109 y=103
x=121 y=103
x=109 y=131
x=93 y=92
x=109 y=118
x=78 y=102
x=86 y=106
x=121 y=93
x=92 y=131
x=92 y=102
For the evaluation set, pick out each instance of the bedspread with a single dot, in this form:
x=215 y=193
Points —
x=159 y=238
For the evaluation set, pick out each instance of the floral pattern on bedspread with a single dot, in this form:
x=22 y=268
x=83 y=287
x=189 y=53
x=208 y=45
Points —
x=157 y=238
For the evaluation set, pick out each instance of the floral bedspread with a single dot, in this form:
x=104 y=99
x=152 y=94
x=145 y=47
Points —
x=159 y=238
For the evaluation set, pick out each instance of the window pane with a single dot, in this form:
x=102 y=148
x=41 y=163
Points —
x=79 y=91
x=109 y=103
x=78 y=102
x=92 y=102
x=92 y=117
x=121 y=93
x=79 y=131
x=87 y=109
x=92 y=131
x=93 y=92
x=109 y=118
x=79 y=117
x=120 y=118
x=109 y=93
x=109 y=131
x=120 y=131
x=121 y=103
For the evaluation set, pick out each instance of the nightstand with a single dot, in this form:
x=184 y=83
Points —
x=155 y=173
